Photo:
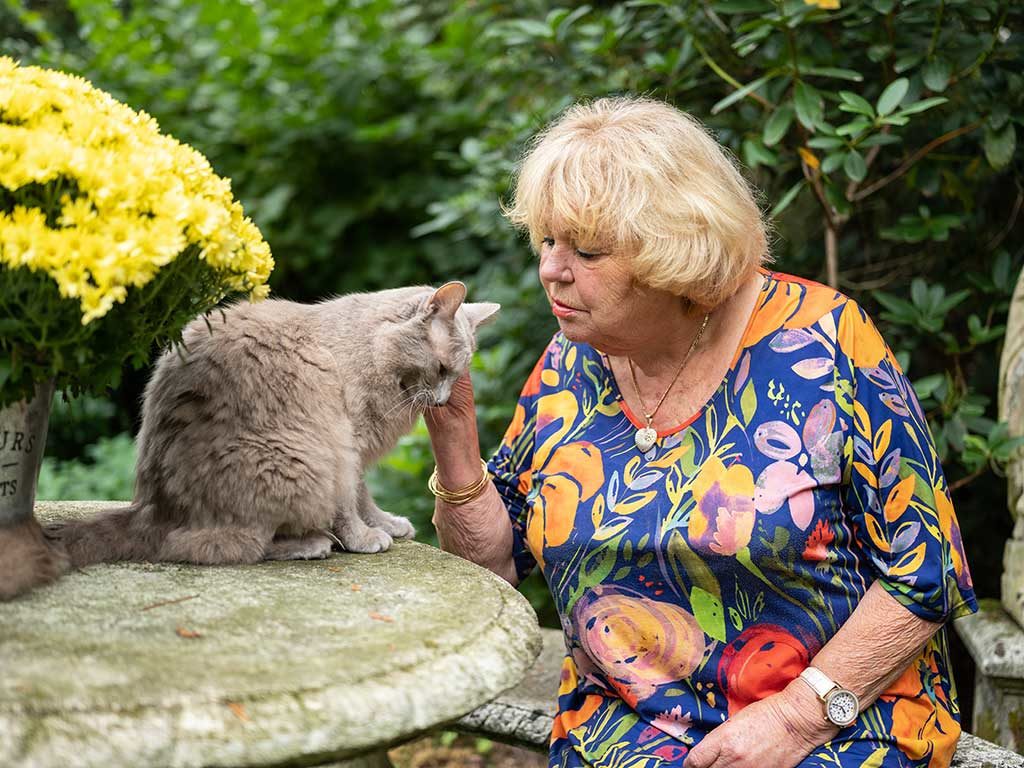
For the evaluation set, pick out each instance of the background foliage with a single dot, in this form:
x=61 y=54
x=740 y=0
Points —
x=371 y=141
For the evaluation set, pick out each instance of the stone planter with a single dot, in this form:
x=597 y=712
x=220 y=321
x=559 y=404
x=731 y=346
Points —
x=27 y=560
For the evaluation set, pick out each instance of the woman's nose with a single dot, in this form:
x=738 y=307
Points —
x=554 y=264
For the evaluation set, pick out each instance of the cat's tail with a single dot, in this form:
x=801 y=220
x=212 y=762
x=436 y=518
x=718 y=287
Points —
x=126 y=533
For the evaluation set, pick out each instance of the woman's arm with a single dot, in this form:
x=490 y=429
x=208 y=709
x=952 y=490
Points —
x=479 y=530
x=866 y=655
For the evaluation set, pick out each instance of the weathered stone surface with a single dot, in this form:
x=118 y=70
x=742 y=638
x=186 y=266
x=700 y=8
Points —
x=996 y=643
x=1011 y=410
x=524 y=714
x=1013 y=575
x=292 y=665
x=975 y=752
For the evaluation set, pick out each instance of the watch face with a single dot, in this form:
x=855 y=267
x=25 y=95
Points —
x=842 y=708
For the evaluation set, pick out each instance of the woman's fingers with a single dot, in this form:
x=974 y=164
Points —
x=460 y=408
x=706 y=753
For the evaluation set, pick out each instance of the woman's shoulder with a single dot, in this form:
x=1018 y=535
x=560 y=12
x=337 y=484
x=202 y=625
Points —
x=796 y=306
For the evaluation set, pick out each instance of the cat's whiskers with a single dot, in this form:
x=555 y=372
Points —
x=409 y=399
x=416 y=407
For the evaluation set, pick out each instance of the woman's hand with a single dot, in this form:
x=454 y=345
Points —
x=453 y=436
x=778 y=731
x=457 y=412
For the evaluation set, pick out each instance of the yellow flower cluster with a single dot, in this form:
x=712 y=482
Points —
x=102 y=200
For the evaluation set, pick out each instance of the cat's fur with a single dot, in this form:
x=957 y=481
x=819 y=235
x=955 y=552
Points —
x=257 y=433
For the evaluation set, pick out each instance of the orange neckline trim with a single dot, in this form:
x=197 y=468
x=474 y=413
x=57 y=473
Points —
x=732 y=364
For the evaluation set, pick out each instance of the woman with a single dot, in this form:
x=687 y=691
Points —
x=722 y=472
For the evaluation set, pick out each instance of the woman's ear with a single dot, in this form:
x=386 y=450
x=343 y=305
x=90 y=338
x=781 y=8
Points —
x=480 y=313
x=446 y=300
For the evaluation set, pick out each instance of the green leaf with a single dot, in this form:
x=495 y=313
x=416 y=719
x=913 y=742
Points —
x=708 y=611
x=565 y=24
x=894 y=120
x=685 y=560
x=787 y=198
x=906 y=61
x=921 y=106
x=936 y=74
x=840 y=74
x=755 y=154
x=856 y=103
x=807 y=101
x=919 y=292
x=854 y=128
x=825 y=142
x=892 y=96
x=777 y=125
x=832 y=162
x=926 y=386
x=736 y=95
x=854 y=165
x=999 y=145
x=748 y=400
x=742 y=6
x=1000 y=114
x=879 y=139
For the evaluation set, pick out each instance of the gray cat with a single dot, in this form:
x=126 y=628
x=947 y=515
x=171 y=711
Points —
x=256 y=435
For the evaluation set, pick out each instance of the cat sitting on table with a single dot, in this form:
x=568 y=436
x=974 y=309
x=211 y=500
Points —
x=256 y=435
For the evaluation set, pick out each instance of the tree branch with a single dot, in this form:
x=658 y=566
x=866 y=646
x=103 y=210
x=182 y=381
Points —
x=909 y=162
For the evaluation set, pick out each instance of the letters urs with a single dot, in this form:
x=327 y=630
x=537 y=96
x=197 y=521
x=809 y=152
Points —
x=12 y=443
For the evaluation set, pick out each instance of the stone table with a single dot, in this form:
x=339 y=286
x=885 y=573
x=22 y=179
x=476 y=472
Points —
x=275 y=664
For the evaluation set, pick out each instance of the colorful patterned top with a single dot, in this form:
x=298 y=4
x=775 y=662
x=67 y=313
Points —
x=705 y=574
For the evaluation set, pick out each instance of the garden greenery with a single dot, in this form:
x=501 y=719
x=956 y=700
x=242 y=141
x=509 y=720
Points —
x=373 y=140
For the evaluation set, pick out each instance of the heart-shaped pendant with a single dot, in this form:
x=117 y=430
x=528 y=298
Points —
x=645 y=439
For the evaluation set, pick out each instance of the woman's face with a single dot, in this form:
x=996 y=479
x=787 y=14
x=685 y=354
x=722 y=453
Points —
x=593 y=295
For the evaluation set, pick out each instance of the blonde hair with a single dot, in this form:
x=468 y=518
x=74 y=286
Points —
x=639 y=175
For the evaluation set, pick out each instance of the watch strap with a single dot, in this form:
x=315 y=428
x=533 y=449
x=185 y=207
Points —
x=820 y=683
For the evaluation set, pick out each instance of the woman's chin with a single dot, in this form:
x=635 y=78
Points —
x=574 y=331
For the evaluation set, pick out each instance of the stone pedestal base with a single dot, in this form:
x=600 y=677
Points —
x=996 y=643
x=1013 y=575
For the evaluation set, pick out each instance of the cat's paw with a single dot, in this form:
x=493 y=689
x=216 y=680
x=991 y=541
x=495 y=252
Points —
x=366 y=540
x=315 y=547
x=399 y=527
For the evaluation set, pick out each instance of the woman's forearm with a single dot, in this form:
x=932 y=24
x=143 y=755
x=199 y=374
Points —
x=870 y=651
x=479 y=530
x=875 y=645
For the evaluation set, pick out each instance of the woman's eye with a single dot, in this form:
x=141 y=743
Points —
x=586 y=255
x=548 y=241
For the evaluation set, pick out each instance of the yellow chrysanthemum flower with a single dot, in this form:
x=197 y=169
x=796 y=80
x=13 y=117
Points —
x=103 y=200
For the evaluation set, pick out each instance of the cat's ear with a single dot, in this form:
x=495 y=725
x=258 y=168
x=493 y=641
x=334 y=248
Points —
x=446 y=300
x=481 y=312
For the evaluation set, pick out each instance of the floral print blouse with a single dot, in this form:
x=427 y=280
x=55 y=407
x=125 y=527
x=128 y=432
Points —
x=706 y=573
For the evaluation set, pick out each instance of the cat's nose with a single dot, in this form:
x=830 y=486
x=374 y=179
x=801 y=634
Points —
x=441 y=399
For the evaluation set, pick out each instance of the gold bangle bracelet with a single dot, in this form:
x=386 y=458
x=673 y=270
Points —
x=459 y=495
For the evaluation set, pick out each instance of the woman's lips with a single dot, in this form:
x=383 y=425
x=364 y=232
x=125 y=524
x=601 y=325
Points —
x=563 y=310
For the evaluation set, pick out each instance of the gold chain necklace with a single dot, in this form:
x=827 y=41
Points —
x=646 y=437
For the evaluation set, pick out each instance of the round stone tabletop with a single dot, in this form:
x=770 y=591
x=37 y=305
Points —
x=136 y=664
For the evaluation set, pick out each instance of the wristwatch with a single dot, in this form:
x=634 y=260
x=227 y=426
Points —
x=841 y=705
